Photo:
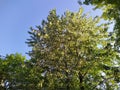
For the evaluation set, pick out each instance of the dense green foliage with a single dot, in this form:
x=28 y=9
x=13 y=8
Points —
x=69 y=52
x=111 y=11
x=74 y=52
x=11 y=67
x=17 y=73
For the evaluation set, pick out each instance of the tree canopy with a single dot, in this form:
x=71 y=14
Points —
x=11 y=66
x=111 y=11
x=74 y=52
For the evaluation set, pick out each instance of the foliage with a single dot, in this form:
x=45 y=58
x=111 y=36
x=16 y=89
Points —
x=18 y=73
x=73 y=51
x=111 y=11
x=11 y=68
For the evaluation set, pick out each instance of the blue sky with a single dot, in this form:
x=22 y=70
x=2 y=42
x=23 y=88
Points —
x=17 y=16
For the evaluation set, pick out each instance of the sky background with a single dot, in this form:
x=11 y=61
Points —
x=17 y=16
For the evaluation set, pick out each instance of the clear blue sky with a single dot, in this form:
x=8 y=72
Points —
x=16 y=16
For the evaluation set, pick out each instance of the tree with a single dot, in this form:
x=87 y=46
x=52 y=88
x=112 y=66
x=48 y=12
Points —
x=111 y=9
x=73 y=51
x=12 y=68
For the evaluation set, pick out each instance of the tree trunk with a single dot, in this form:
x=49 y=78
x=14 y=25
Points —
x=81 y=81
